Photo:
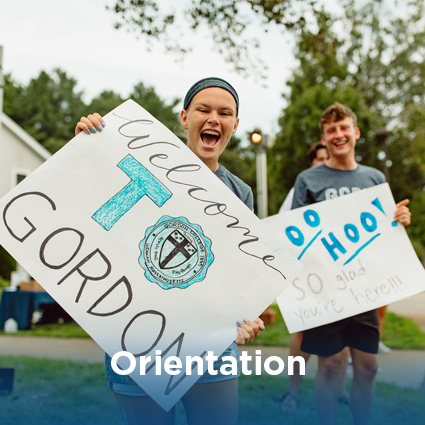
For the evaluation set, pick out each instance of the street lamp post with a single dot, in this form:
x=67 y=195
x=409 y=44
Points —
x=261 y=143
x=262 y=200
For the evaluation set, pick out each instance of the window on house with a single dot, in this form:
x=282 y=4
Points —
x=19 y=178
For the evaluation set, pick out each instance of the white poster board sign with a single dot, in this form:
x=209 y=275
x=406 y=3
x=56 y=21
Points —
x=144 y=246
x=355 y=257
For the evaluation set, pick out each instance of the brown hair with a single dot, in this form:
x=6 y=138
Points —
x=314 y=148
x=336 y=112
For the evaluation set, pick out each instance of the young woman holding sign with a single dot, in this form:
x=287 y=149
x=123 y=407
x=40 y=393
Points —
x=210 y=116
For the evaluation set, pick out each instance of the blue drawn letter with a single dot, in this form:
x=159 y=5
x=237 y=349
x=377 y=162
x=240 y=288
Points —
x=294 y=235
x=332 y=247
x=368 y=222
x=312 y=218
x=142 y=183
x=352 y=232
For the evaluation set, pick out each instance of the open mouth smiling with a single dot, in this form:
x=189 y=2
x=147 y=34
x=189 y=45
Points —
x=341 y=143
x=210 y=138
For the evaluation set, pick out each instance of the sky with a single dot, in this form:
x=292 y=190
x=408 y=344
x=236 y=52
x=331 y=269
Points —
x=79 y=37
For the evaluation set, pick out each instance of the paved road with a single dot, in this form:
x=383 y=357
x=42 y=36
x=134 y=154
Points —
x=404 y=368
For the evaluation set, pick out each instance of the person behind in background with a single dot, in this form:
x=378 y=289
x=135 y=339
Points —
x=210 y=117
x=339 y=175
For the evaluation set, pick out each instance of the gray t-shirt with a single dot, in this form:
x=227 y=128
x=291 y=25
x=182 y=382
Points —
x=322 y=183
x=237 y=186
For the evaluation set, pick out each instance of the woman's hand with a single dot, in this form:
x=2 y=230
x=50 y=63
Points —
x=248 y=330
x=402 y=213
x=90 y=124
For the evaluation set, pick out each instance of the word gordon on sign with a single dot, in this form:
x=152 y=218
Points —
x=144 y=246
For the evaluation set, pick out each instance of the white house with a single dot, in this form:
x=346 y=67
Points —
x=20 y=154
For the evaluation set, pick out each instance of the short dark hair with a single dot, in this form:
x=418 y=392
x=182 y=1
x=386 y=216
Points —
x=336 y=112
x=312 y=152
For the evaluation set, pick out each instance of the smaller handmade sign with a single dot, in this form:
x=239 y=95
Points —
x=356 y=258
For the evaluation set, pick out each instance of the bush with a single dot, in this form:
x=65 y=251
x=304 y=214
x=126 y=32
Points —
x=3 y=283
x=7 y=264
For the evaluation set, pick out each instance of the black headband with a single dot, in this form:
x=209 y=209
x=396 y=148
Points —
x=206 y=83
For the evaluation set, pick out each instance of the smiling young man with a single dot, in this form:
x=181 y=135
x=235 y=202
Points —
x=340 y=175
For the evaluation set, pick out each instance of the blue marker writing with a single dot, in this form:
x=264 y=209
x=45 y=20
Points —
x=142 y=183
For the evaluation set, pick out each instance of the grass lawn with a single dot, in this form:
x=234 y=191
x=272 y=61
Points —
x=399 y=332
x=69 y=393
x=64 y=330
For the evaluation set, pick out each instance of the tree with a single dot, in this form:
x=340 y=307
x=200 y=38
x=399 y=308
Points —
x=49 y=106
x=230 y=23
x=386 y=49
x=46 y=108
x=148 y=99
x=7 y=265
x=13 y=96
x=145 y=97
x=320 y=79
x=370 y=61
x=104 y=102
x=240 y=161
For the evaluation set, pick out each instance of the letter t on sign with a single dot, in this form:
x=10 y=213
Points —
x=142 y=183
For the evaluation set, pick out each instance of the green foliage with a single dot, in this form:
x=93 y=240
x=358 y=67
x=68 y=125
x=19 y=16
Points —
x=13 y=95
x=54 y=330
x=52 y=392
x=240 y=161
x=145 y=97
x=321 y=79
x=401 y=333
x=7 y=266
x=369 y=56
x=47 y=108
x=386 y=54
x=260 y=403
x=148 y=99
x=229 y=23
x=371 y=59
x=4 y=283
x=104 y=102
x=416 y=230
x=276 y=334
x=55 y=391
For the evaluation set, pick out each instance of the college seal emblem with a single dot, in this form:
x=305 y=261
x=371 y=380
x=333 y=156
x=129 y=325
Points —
x=175 y=253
